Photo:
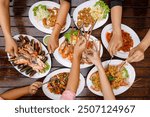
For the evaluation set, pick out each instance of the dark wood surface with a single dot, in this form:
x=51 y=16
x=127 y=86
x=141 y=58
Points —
x=136 y=14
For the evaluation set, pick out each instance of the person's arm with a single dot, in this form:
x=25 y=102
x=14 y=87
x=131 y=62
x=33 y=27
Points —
x=73 y=80
x=10 y=45
x=74 y=75
x=15 y=93
x=20 y=92
x=137 y=53
x=105 y=85
x=61 y=20
x=116 y=16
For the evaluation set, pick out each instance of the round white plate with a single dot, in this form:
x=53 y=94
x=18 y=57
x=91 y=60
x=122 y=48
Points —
x=121 y=89
x=37 y=75
x=66 y=62
x=38 y=24
x=85 y=5
x=127 y=29
x=56 y=96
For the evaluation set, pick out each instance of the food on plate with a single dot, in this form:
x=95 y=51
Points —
x=58 y=83
x=31 y=58
x=127 y=40
x=48 y=16
x=88 y=16
x=116 y=78
x=66 y=49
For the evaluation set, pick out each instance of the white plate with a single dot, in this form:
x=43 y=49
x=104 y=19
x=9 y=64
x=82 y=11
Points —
x=85 y=5
x=66 y=62
x=57 y=96
x=121 y=89
x=127 y=29
x=38 y=24
x=37 y=75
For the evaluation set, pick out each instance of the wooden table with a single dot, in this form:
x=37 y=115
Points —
x=136 y=14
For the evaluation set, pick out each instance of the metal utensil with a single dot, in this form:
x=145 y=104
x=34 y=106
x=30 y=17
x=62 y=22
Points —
x=110 y=61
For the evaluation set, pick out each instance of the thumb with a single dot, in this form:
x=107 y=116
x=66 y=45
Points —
x=16 y=51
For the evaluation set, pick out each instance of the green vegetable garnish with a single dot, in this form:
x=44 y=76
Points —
x=125 y=73
x=104 y=6
x=41 y=12
x=111 y=78
x=46 y=68
x=68 y=34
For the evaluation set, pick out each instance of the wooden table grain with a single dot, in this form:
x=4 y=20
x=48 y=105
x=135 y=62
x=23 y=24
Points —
x=136 y=14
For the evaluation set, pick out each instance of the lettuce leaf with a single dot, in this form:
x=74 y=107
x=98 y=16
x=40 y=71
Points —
x=104 y=6
x=68 y=34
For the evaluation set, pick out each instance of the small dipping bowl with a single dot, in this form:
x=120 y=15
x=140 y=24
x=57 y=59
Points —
x=45 y=39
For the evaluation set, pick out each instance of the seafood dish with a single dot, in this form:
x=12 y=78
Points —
x=89 y=15
x=66 y=49
x=31 y=58
x=48 y=16
x=127 y=40
x=58 y=83
x=117 y=78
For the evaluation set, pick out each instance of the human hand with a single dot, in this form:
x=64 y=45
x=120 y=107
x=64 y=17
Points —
x=115 y=43
x=94 y=55
x=33 y=88
x=53 y=43
x=136 y=54
x=11 y=46
x=80 y=46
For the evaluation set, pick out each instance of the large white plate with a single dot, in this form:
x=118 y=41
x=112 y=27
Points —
x=85 y=5
x=37 y=75
x=132 y=33
x=56 y=96
x=66 y=62
x=38 y=24
x=121 y=89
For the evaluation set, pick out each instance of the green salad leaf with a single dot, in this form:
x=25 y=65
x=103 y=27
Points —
x=68 y=34
x=125 y=73
x=104 y=6
x=46 y=68
x=111 y=78
x=41 y=11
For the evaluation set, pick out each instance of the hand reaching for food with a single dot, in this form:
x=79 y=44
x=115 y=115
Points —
x=53 y=43
x=94 y=55
x=80 y=47
x=115 y=43
x=33 y=88
x=136 y=54
x=11 y=46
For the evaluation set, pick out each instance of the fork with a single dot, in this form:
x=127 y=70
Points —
x=110 y=61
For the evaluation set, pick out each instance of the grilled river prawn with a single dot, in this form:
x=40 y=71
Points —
x=31 y=59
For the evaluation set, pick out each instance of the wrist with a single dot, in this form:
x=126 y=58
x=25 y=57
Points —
x=99 y=65
x=77 y=56
x=26 y=90
x=8 y=37
x=117 y=31
x=143 y=45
